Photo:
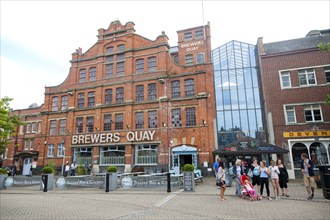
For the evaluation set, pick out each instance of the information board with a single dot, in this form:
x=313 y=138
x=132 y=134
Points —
x=189 y=181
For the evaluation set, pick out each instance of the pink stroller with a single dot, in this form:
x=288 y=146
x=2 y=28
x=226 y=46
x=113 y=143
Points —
x=248 y=192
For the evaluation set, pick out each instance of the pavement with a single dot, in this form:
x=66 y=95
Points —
x=156 y=203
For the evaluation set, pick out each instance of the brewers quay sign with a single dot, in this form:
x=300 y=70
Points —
x=102 y=138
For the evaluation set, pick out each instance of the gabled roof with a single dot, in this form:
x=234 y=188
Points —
x=249 y=146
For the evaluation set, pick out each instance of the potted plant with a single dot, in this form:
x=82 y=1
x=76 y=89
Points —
x=111 y=178
x=81 y=170
x=49 y=172
x=188 y=177
x=3 y=177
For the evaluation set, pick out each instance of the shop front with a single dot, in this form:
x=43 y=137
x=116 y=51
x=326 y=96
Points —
x=316 y=144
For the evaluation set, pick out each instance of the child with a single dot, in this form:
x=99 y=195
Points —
x=249 y=189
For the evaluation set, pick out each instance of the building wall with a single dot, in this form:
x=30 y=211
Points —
x=276 y=98
x=200 y=136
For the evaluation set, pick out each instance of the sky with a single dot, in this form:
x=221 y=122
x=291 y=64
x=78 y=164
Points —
x=38 y=37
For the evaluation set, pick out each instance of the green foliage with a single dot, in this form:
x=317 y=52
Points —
x=3 y=171
x=188 y=168
x=8 y=123
x=81 y=170
x=47 y=170
x=111 y=169
x=324 y=46
x=327 y=101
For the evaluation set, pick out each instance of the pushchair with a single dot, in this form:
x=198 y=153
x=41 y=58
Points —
x=248 y=192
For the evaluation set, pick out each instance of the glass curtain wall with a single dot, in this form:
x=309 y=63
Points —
x=237 y=92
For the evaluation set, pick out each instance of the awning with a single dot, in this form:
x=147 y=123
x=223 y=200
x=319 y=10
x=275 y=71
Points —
x=26 y=154
x=249 y=146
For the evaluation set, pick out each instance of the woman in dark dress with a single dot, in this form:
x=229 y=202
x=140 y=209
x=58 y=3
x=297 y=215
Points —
x=283 y=178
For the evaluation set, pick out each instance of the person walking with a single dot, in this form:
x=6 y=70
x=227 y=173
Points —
x=67 y=169
x=222 y=176
x=274 y=172
x=307 y=166
x=283 y=178
x=216 y=167
x=73 y=168
x=238 y=172
x=256 y=175
x=264 y=173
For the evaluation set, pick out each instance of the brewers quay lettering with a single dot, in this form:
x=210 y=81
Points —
x=101 y=138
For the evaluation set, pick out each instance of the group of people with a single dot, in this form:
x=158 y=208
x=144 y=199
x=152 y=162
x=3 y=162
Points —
x=261 y=174
x=260 y=177
x=70 y=169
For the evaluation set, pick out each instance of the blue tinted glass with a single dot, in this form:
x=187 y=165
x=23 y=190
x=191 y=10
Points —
x=219 y=101
x=236 y=119
x=247 y=77
x=252 y=56
x=244 y=121
x=221 y=120
x=241 y=98
x=259 y=119
x=226 y=99
x=252 y=121
x=240 y=78
x=234 y=99
x=250 y=99
x=256 y=97
x=228 y=120
x=254 y=77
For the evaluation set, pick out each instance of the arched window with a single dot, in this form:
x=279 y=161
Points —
x=297 y=150
x=318 y=153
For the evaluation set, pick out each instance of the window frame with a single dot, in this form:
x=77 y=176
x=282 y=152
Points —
x=92 y=74
x=152 y=64
x=108 y=96
x=64 y=102
x=81 y=100
x=139 y=120
x=189 y=59
x=139 y=66
x=189 y=88
x=139 y=93
x=305 y=75
x=82 y=75
x=120 y=95
x=285 y=74
x=91 y=99
x=152 y=91
x=312 y=109
x=152 y=119
x=327 y=74
x=187 y=36
x=60 y=150
x=176 y=113
x=62 y=128
x=119 y=121
x=52 y=127
x=199 y=34
x=89 y=124
x=175 y=89
x=200 y=58
x=290 y=109
x=55 y=103
x=190 y=116
x=107 y=125
x=50 y=150
x=79 y=125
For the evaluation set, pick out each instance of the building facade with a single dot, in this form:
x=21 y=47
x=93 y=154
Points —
x=295 y=77
x=127 y=101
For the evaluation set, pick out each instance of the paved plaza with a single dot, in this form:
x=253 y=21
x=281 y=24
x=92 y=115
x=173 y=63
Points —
x=140 y=203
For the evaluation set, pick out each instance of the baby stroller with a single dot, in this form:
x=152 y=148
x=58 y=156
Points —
x=248 y=192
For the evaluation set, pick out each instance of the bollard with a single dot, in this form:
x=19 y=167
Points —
x=107 y=177
x=44 y=179
x=168 y=182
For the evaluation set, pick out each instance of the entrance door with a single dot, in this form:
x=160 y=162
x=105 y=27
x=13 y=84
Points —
x=183 y=155
x=27 y=163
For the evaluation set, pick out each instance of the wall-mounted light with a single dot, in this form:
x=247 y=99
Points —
x=42 y=133
x=161 y=81
x=45 y=142
x=97 y=129
x=68 y=130
x=128 y=126
x=164 y=125
x=204 y=122
x=70 y=93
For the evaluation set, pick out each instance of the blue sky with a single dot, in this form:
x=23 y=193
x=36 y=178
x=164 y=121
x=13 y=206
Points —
x=38 y=37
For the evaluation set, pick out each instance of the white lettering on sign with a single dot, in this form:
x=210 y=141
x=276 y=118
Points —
x=112 y=137
x=192 y=46
x=140 y=135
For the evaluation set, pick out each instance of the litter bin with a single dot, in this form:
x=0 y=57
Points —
x=324 y=171
x=229 y=178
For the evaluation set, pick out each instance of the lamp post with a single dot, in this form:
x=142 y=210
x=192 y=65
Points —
x=63 y=157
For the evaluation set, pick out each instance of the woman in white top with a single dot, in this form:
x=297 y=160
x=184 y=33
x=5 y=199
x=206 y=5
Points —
x=222 y=176
x=274 y=171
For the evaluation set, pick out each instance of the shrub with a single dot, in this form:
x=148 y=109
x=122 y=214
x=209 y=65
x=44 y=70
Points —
x=3 y=171
x=112 y=169
x=47 y=170
x=188 y=168
x=81 y=170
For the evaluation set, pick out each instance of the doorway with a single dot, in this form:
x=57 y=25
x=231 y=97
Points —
x=27 y=163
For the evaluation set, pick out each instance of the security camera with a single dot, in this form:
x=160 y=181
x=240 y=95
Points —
x=161 y=81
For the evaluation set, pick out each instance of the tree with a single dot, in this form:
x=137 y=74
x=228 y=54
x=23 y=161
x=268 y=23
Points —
x=8 y=123
x=327 y=101
x=324 y=46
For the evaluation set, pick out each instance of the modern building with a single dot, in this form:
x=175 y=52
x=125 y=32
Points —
x=241 y=128
x=127 y=101
x=295 y=76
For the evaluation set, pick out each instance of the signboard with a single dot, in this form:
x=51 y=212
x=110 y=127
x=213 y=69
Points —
x=325 y=133
x=189 y=181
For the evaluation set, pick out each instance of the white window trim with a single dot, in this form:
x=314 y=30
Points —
x=311 y=108
x=282 y=73
x=286 y=115
x=306 y=74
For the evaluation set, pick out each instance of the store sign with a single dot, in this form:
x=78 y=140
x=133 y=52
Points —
x=192 y=46
x=102 y=138
x=307 y=134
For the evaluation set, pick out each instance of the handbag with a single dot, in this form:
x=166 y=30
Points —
x=250 y=174
x=218 y=181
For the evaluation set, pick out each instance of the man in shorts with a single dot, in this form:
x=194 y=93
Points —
x=307 y=166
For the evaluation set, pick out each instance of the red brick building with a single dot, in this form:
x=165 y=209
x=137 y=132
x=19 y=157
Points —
x=295 y=78
x=127 y=101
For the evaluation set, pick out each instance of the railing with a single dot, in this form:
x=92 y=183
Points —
x=113 y=160
x=83 y=160
x=146 y=159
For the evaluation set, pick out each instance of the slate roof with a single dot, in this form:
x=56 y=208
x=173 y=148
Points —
x=295 y=44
